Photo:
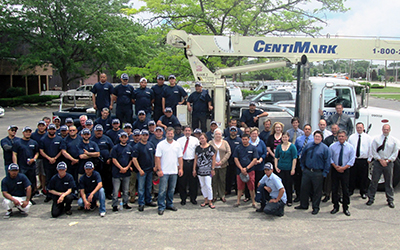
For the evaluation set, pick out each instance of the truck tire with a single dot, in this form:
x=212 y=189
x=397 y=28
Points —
x=396 y=175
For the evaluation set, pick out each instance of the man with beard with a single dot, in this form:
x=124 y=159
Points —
x=102 y=92
x=158 y=90
x=173 y=94
x=104 y=120
x=115 y=131
x=37 y=136
x=144 y=98
x=124 y=94
x=71 y=152
x=88 y=151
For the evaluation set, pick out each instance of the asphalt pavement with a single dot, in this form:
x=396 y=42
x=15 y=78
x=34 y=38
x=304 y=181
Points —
x=193 y=227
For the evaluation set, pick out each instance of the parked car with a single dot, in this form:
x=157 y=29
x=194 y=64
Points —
x=80 y=92
x=235 y=93
x=1 y=111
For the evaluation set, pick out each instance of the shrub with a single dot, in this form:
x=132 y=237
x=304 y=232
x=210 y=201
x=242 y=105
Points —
x=12 y=102
x=246 y=92
x=377 y=86
x=14 y=92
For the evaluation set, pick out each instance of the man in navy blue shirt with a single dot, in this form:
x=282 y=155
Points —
x=25 y=154
x=124 y=94
x=315 y=163
x=105 y=145
x=91 y=189
x=232 y=123
x=233 y=141
x=121 y=155
x=143 y=121
x=71 y=152
x=158 y=90
x=267 y=130
x=201 y=102
x=16 y=189
x=37 y=136
x=213 y=127
x=88 y=151
x=50 y=147
x=102 y=92
x=144 y=98
x=168 y=120
x=151 y=127
x=143 y=160
x=104 y=120
x=245 y=156
x=63 y=131
x=158 y=136
x=250 y=116
x=173 y=94
x=7 y=145
x=61 y=186
x=115 y=131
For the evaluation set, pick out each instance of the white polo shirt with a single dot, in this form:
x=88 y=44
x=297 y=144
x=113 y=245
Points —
x=169 y=154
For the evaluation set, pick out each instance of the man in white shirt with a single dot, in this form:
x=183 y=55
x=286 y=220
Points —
x=384 y=150
x=322 y=128
x=188 y=144
x=169 y=165
x=359 y=172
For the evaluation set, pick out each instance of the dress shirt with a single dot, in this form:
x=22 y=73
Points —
x=345 y=122
x=326 y=133
x=190 y=150
x=300 y=141
x=392 y=147
x=316 y=156
x=291 y=133
x=349 y=153
x=365 y=146
x=275 y=183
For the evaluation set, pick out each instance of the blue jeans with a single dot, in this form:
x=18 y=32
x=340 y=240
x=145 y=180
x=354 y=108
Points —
x=144 y=185
x=100 y=196
x=167 y=190
x=125 y=189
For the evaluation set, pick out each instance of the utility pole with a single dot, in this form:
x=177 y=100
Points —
x=385 y=72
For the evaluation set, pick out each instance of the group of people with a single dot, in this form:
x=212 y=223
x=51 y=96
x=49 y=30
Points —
x=111 y=158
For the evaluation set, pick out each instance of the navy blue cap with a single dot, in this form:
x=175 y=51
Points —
x=136 y=132
x=13 y=167
x=86 y=131
x=26 y=128
x=89 y=122
x=141 y=112
x=51 y=126
x=268 y=166
x=168 y=109
x=151 y=123
x=41 y=122
x=98 y=127
x=128 y=125
x=213 y=122
x=61 y=166
x=197 y=131
x=69 y=119
x=89 y=165
x=123 y=134
x=125 y=76
x=252 y=104
x=57 y=118
x=64 y=128
x=171 y=77
x=115 y=121
x=160 y=77
x=159 y=128
x=198 y=84
x=13 y=126
x=233 y=128
x=144 y=132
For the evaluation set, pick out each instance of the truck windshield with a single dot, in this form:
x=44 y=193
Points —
x=337 y=95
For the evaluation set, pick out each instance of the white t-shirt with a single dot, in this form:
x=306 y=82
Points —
x=169 y=153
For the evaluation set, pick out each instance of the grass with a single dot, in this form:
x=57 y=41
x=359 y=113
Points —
x=395 y=97
x=386 y=90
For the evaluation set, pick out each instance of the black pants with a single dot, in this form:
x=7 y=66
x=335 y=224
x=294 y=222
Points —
x=359 y=176
x=188 y=179
x=106 y=177
x=343 y=180
x=157 y=113
x=58 y=209
x=297 y=177
x=311 y=182
x=287 y=181
x=269 y=208
x=199 y=118
x=231 y=177
x=73 y=170
x=124 y=115
x=50 y=170
x=31 y=175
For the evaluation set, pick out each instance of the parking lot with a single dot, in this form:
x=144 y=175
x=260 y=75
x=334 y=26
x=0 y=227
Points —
x=193 y=227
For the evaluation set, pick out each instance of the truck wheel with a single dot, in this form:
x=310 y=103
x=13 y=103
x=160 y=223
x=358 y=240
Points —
x=396 y=175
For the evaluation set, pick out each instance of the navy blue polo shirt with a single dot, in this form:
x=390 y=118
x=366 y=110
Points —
x=141 y=125
x=105 y=145
x=233 y=143
x=89 y=183
x=114 y=134
x=245 y=155
x=143 y=98
x=52 y=146
x=107 y=123
x=102 y=92
x=145 y=155
x=61 y=184
x=123 y=154
x=158 y=91
x=130 y=140
x=25 y=149
x=200 y=102
x=248 y=117
x=228 y=134
x=37 y=137
x=15 y=187
x=173 y=95
x=90 y=147
x=71 y=146
x=155 y=141
x=125 y=94
x=171 y=121
x=7 y=145
x=264 y=136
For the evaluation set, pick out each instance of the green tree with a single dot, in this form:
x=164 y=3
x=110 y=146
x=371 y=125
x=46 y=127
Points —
x=76 y=37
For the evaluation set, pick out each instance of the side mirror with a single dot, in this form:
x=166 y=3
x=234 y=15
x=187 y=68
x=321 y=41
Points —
x=357 y=115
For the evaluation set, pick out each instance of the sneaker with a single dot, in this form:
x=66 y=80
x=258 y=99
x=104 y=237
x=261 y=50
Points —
x=115 y=209
x=127 y=207
x=102 y=214
x=7 y=215
x=69 y=212
x=141 y=208
x=47 y=199
x=92 y=208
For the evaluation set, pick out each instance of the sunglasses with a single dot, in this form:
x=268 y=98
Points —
x=13 y=130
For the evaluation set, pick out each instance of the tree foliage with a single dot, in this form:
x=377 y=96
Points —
x=76 y=37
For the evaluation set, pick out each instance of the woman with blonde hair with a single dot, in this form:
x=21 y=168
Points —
x=274 y=140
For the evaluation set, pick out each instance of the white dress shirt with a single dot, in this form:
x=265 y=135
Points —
x=365 y=146
x=326 y=132
x=391 y=150
x=190 y=150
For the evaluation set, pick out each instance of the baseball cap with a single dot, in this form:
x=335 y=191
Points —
x=115 y=121
x=244 y=178
x=144 y=132
x=89 y=165
x=159 y=128
x=57 y=118
x=160 y=77
x=151 y=123
x=86 y=131
x=13 y=126
x=106 y=109
x=64 y=128
x=26 y=128
x=127 y=125
x=123 y=134
x=136 y=132
x=168 y=109
x=51 y=126
x=61 y=166
x=143 y=79
x=41 y=123
x=213 y=122
x=269 y=166
x=89 y=122
x=124 y=76
x=233 y=128
x=198 y=84
x=171 y=77
x=69 y=119
x=252 y=104
x=141 y=112
x=197 y=131
x=98 y=127
x=13 y=167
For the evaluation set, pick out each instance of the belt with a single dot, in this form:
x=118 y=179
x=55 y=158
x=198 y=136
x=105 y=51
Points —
x=314 y=170
x=188 y=160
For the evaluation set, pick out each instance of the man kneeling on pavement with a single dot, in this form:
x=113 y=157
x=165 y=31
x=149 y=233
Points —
x=271 y=193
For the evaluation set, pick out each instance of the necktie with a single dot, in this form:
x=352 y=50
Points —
x=294 y=136
x=382 y=147
x=186 y=145
x=338 y=120
x=304 y=144
x=341 y=156
x=358 y=146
